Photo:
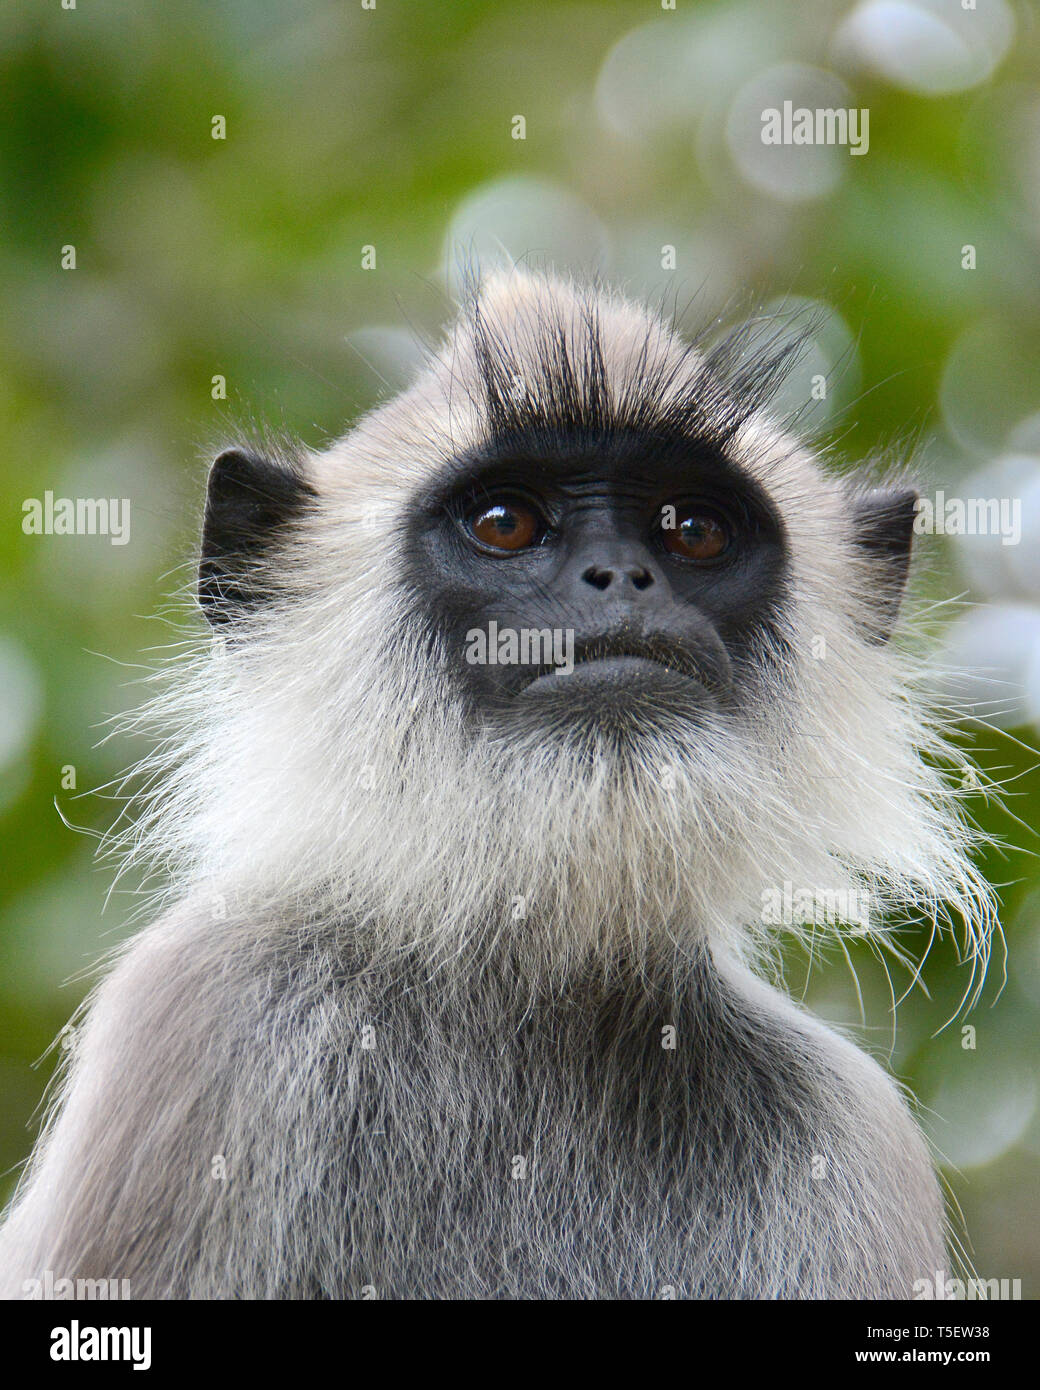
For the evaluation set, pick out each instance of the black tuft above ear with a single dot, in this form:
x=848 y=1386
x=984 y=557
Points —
x=882 y=523
x=249 y=501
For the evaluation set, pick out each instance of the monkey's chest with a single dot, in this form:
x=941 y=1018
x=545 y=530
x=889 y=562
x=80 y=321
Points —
x=535 y=1170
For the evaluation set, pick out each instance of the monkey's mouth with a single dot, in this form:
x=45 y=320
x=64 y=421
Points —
x=629 y=668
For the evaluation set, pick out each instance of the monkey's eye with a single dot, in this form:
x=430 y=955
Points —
x=699 y=534
x=507 y=526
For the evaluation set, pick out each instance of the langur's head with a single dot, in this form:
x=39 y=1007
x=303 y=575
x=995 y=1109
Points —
x=569 y=647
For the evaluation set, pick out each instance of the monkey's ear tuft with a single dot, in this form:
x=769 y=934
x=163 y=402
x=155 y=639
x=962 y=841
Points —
x=882 y=523
x=249 y=503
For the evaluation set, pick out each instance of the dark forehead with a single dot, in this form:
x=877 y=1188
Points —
x=623 y=459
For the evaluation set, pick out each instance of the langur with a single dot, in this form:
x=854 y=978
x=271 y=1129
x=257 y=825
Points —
x=515 y=705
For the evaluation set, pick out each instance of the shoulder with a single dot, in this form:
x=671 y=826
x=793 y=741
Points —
x=858 y=1112
x=207 y=1050
x=203 y=1011
x=176 y=979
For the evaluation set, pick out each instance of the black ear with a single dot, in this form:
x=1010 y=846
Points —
x=882 y=523
x=249 y=502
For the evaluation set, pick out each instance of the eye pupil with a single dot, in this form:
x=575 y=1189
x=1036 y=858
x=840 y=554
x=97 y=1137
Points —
x=698 y=535
x=506 y=526
x=696 y=531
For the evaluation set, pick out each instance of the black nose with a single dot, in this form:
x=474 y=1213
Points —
x=604 y=576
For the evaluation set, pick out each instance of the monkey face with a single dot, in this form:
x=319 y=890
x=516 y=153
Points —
x=600 y=583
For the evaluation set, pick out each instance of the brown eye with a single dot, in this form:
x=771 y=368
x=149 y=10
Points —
x=506 y=526
x=698 y=534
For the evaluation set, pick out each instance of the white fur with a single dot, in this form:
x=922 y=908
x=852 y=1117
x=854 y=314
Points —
x=322 y=757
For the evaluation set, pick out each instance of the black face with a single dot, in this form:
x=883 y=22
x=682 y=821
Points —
x=655 y=567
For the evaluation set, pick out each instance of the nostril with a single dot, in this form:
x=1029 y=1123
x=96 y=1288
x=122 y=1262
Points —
x=598 y=578
x=602 y=578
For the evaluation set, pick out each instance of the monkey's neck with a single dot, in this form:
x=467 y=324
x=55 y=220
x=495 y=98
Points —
x=519 y=985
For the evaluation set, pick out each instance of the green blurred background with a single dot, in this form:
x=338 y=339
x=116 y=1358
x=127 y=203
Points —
x=394 y=128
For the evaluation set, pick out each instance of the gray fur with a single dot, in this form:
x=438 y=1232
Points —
x=647 y=1170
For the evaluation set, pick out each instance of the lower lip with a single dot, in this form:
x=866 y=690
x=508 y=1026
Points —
x=612 y=672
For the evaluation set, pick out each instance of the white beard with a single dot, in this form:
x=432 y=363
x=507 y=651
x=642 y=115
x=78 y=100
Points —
x=320 y=781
